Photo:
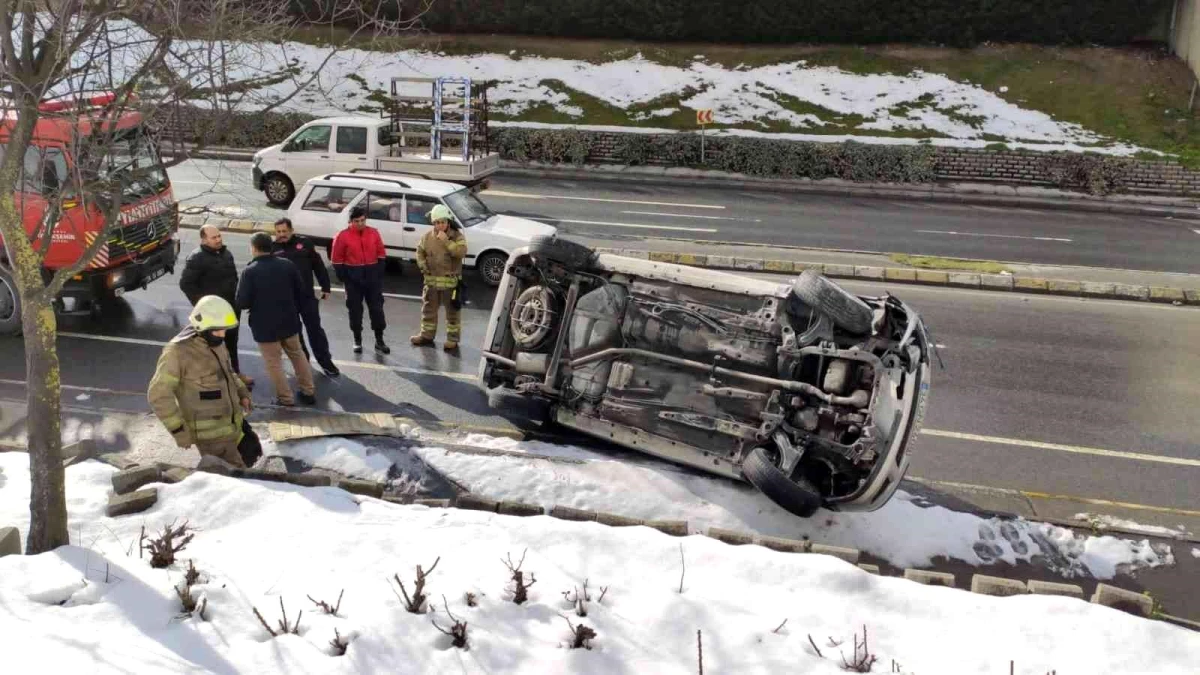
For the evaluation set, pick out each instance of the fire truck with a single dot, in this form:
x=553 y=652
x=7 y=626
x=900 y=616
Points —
x=141 y=247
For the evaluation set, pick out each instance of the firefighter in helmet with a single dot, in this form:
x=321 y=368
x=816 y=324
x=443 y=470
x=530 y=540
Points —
x=440 y=256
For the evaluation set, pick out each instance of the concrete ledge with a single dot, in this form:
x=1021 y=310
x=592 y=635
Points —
x=1098 y=289
x=850 y=555
x=176 y=474
x=1001 y=282
x=473 y=503
x=520 y=509
x=963 y=280
x=900 y=274
x=872 y=569
x=930 y=578
x=785 y=545
x=1126 y=601
x=308 y=479
x=10 y=541
x=730 y=537
x=613 y=520
x=1131 y=292
x=1160 y=294
x=433 y=503
x=842 y=270
x=997 y=586
x=675 y=528
x=1051 y=588
x=934 y=277
x=134 y=502
x=365 y=488
x=1033 y=284
x=1064 y=287
x=127 y=481
x=573 y=514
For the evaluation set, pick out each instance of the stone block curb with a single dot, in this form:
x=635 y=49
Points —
x=925 y=277
x=730 y=537
x=871 y=569
x=134 y=502
x=433 y=503
x=124 y=482
x=850 y=555
x=675 y=528
x=476 y=503
x=930 y=578
x=573 y=514
x=520 y=509
x=1051 y=588
x=614 y=520
x=997 y=586
x=1126 y=601
x=175 y=474
x=10 y=541
x=785 y=545
x=365 y=488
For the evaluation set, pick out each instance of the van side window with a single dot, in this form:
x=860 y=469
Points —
x=352 y=140
x=312 y=139
x=385 y=207
x=330 y=198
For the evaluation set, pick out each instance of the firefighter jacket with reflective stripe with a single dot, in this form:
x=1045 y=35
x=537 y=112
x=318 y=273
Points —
x=441 y=261
x=194 y=388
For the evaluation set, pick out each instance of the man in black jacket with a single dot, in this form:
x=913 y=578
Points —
x=210 y=270
x=271 y=289
x=301 y=252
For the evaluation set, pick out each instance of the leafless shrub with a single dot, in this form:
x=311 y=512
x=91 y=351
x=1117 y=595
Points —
x=164 y=548
x=457 y=632
x=780 y=627
x=863 y=659
x=814 y=646
x=192 y=575
x=699 y=651
x=581 y=635
x=416 y=602
x=188 y=602
x=284 y=627
x=471 y=600
x=521 y=585
x=325 y=607
x=682 y=567
x=339 y=643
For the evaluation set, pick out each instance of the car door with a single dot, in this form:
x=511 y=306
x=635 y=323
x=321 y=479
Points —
x=325 y=211
x=350 y=148
x=307 y=154
x=385 y=212
x=416 y=220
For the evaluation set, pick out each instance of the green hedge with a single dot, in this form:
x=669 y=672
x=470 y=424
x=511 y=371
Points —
x=955 y=22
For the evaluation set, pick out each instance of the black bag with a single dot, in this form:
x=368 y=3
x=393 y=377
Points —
x=250 y=447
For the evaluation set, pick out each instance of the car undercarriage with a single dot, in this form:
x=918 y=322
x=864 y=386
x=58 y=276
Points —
x=810 y=393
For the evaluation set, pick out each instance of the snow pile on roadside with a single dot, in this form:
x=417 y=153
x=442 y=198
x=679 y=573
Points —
x=346 y=456
x=94 y=607
x=907 y=531
x=1100 y=521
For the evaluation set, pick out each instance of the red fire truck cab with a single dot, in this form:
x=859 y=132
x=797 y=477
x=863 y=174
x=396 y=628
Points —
x=142 y=246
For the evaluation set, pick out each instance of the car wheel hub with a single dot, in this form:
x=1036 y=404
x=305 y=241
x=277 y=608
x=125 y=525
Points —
x=493 y=269
x=532 y=317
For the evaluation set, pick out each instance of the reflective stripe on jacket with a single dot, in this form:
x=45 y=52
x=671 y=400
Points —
x=441 y=261
x=194 y=387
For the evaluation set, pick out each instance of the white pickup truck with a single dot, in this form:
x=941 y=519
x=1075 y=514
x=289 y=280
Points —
x=343 y=144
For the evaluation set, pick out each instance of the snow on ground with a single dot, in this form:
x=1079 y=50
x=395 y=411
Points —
x=1196 y=553
x=96 y=607
x=908 y=532
x=1102 y=521
x=801 y=97
x=343 y=455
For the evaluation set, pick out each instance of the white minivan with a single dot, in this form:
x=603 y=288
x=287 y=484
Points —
x=343 y=144
x=398 y=206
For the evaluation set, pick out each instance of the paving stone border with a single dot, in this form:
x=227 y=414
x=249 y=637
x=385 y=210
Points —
x=988 y=282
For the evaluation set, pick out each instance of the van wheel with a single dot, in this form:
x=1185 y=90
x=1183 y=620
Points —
x=10 y=304
x=826 y=297
x=279 y=189
x=796 y=495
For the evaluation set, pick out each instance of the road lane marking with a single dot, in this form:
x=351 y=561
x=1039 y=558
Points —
x=996 y=236
x=684 y=215
x=522 y=195
x=1197 y=231
x=204 y=182
x=1073 y=449
x=1033 y=494
x=631 y=225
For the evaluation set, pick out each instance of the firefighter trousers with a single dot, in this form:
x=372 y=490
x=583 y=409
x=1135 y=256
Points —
x=431 y=300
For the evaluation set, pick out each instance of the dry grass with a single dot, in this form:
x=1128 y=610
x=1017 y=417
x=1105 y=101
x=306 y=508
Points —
x=955 y=264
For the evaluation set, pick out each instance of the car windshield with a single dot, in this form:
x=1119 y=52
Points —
x=133 y=161
x=468 y=208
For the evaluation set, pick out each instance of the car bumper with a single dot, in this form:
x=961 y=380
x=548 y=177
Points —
x=128 y=276
x=258 y=178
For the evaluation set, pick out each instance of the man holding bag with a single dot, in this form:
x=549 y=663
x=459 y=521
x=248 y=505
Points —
x=440 y=256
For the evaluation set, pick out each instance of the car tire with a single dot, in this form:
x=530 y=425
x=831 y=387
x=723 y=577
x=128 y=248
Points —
x=279 y=189
x=826 y=297
x=10 y=304
x=491 y=267
x=569 y=254
x=797 y=496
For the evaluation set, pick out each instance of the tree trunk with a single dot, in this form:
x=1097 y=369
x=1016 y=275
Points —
x=47 y=493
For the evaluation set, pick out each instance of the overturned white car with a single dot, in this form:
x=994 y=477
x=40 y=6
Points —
x=808 y=392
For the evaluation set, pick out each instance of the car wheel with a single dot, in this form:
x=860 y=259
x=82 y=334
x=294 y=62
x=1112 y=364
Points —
x=795 y=495
x=569 y=254
x=279 y=189
x=10 y=304
x=491 y=267
x=826 y=297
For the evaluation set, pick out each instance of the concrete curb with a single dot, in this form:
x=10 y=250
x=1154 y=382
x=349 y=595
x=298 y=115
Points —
x=904 y=275
x=983 y=194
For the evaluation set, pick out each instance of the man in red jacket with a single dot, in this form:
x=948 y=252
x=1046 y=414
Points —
x=358 y=260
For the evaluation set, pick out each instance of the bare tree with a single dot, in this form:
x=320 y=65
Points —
x=155 y=61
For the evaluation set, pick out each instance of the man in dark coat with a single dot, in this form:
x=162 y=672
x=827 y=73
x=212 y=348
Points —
x=210 y=270
x=271 y=290
x=301 y=252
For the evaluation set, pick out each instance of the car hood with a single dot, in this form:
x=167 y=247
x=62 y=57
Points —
x=266 y=150
x=517 y=228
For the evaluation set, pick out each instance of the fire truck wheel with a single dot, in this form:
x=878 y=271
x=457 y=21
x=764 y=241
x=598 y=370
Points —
x=10 y=304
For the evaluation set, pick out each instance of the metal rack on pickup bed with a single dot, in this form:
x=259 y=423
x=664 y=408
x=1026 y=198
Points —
x=455 y=110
